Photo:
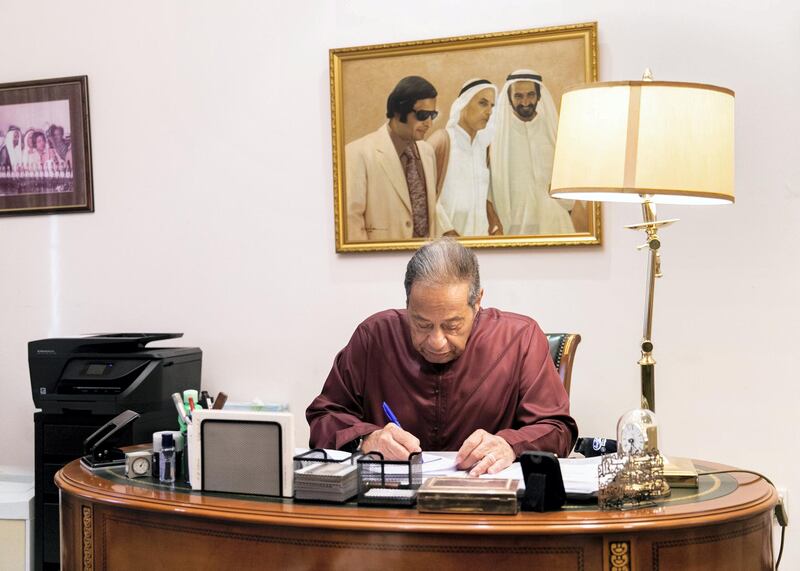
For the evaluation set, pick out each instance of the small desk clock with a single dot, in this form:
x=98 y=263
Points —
x=637 y=432
x=635 y=474
x=138 y=464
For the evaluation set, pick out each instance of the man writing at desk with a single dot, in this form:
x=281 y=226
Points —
x=457 y=377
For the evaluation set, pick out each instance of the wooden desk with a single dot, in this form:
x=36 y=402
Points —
x=109 y=522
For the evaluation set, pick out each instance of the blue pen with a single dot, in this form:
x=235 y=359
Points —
x=390 y=415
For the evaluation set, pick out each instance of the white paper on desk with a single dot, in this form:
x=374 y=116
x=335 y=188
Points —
x=514 y=471
x=580 y=474
x=432 y=464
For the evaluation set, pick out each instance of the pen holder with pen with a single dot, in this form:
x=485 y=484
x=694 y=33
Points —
x=389 y=482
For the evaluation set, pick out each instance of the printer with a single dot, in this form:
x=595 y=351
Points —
x=107 y=374
x=80 y=383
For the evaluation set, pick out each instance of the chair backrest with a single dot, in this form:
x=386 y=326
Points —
x=562 y=350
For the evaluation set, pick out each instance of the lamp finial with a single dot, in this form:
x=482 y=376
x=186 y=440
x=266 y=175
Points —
x=647 y=75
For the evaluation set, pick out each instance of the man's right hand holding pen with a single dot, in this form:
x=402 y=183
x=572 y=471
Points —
x=391 y=441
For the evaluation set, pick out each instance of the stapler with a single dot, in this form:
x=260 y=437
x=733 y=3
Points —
x=98 y=448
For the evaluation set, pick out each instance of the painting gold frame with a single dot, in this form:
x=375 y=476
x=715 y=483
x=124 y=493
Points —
x=362 y=77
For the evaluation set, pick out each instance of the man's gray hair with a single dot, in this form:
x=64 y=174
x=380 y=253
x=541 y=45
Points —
x=442 y=262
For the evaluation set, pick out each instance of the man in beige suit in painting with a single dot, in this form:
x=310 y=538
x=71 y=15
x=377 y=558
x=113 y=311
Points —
x=391 y=173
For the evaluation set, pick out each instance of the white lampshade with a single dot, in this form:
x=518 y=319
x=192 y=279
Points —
x=618 y=141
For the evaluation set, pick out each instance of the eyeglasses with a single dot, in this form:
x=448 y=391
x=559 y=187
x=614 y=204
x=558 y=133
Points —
x=424 y=114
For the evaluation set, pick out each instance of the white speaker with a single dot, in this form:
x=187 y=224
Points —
x=241 y=452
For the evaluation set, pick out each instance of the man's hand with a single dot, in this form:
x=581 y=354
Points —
x=484 y=453
x=495 y=226
x=391 y=441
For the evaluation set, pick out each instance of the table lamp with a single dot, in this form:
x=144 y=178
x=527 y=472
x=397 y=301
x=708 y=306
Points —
x=647 y=142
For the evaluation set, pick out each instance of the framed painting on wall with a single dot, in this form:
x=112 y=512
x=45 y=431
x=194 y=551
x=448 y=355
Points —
x=45 y=147
x=455 y=137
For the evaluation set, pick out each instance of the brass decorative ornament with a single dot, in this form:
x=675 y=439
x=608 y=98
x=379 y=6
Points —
x=619 y=556
x=634 y=476
x=87 y=520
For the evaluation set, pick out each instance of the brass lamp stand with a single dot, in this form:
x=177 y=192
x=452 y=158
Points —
x=647 y=142
x=653 y=244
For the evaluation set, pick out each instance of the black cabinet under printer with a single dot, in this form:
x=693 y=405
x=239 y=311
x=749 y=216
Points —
x=80 y=383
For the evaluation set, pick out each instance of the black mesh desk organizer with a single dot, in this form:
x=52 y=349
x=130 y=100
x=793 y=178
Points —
x=389 y=482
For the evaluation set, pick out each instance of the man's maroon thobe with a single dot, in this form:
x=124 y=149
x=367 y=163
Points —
x=504 y=382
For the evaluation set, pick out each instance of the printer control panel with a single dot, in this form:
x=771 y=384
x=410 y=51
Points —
x=99 y=376
x=97 y=369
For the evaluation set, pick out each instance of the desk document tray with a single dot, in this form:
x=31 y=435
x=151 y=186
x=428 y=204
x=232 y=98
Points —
x=388 y=482
x=317 y=477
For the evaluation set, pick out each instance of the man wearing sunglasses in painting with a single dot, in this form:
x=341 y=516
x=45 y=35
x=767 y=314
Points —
x=390 y=174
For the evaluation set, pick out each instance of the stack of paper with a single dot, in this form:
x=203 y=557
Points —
x=327 y=481
x=580 y=475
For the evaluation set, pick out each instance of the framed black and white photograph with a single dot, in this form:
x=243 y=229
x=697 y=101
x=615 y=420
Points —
x=45 y=147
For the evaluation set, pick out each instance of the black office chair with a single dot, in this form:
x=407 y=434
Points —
x=562 y=350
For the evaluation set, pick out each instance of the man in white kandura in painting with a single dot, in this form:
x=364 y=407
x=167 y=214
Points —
x=462 y=185
x=522 y=159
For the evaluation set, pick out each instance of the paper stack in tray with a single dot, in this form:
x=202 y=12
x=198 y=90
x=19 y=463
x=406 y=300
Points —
x=326 y=481
x=580 y=476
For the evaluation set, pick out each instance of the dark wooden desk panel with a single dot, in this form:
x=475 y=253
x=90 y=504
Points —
x=115 y=524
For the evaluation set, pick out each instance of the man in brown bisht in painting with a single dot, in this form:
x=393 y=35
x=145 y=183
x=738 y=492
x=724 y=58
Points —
x=457 y=376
